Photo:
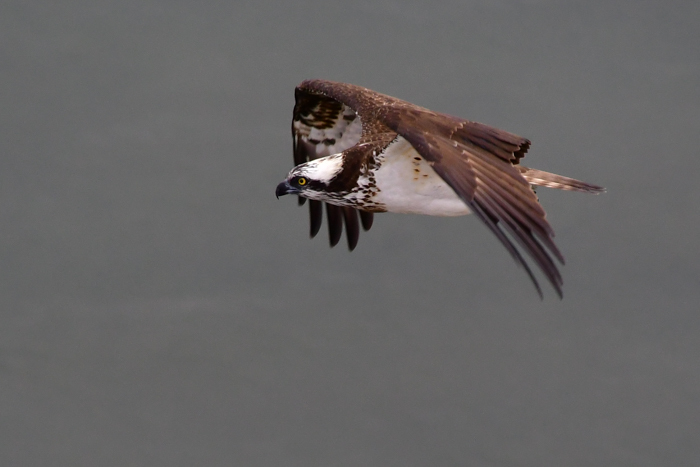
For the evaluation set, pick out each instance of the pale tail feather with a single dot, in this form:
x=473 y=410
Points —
x=550 y=180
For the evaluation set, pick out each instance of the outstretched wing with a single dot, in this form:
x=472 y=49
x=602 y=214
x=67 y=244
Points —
x=477 y=161
x=322 y=126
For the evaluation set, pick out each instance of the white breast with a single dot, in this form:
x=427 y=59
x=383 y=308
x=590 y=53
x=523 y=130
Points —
x=408 y=184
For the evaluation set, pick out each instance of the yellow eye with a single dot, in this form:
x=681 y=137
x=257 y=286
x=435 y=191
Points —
x=301 y=181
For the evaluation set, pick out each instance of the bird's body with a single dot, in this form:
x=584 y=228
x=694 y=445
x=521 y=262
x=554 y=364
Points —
x=358 y=150
x=399 y=180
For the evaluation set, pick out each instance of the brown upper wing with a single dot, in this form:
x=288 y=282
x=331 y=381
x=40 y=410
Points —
x=476 y=160
x=482 y=174
x=322 y=126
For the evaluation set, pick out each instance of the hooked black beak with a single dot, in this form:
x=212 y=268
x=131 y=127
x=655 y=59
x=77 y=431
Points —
x=282 y=189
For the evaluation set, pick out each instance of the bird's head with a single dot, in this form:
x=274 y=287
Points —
x=311 y=179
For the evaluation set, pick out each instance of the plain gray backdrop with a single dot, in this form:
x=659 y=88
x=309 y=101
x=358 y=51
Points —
x=161 y=308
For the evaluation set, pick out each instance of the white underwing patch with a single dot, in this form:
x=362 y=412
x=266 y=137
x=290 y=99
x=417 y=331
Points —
x=345 y=133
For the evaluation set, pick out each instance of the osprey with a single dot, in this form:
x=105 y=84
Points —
x=359 y=151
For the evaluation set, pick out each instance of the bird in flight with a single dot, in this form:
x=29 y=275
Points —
x=359 y=151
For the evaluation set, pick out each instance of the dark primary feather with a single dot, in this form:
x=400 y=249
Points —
x=335 y=223
x=479 y=162
x=352 y=226
x=367 y=219
x=315 y=215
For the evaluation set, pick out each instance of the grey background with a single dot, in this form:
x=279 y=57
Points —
x=161 y=308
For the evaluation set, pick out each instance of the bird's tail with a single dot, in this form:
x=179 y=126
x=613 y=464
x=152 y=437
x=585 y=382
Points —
x=550 y=180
